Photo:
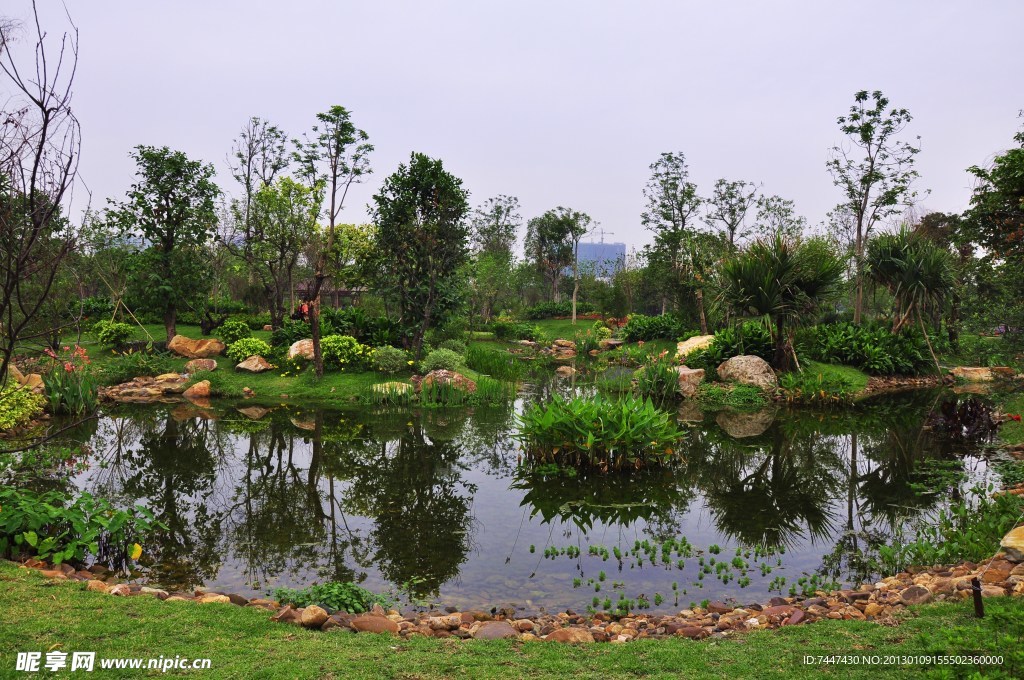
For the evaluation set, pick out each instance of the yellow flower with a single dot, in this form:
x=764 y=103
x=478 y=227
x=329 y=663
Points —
x=136 y=551
x=410 y=362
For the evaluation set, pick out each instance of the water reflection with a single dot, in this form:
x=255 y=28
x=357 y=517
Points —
x=435 y=503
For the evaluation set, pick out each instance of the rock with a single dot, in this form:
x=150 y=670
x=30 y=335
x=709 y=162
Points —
x=254 y=412
x=572 y=635
x=34 y=382
x=495 y=630
x=916 y=595
x=155 y=592
x=369 y=623
x=254 y=364
x=695 y=343
x=739 y=425
x=747 y=369
x=120 y=590
x=717 y=607
x=567 y=344
x=610 y=343
x=301 y=349
x=692 y=632
x=214 y=598
x=313 y=617
x=287 y=614
x=445 y=377
x=238 y=600
x=565 y=371
x=689 y=380
x=997 y=571
x=796 y=618
x=973 y=373
x=1013 y=545
x=145 y=389
x=991 y=591
x=450 y=622
x=392 y=387
x=196 y=365
x=267 y=327
x=873 y=609
x=13 y=371
x=248 y=393
x=195 y=349
x=200 y=390
x=97 y=586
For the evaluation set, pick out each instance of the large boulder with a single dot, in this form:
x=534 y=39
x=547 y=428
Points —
x=973 y=373
x=1013 y=545
x=689 y=380
x=197 y=365
x=195 y=349
x=695 y=343
x=254 y=364
x=146 y=389
x=301 y=349
x=200 y=390
x=445 y=377
x=747 y=369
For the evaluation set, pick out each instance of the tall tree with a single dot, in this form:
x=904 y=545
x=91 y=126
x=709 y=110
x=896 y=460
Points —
x=671 y=212
x=39 y=149
x=493 y=230
x=579 y=225
x=778 y=215
x=549 y=247
x=728 y=205
x=171 y=208
x=332 y=158
x=422 y=239
x=874 y=171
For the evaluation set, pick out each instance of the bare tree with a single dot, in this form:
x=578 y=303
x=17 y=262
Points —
x=39 y=149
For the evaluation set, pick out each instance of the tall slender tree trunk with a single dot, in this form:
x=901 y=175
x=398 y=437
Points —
x=700 y=309
x=171 y=321
x=314 y=331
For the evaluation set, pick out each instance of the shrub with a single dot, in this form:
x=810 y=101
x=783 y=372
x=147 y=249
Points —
x=748 y=339
x=737 y=396
x=52 y=527
x=872 y=348
x=641 y=327
x=233 y=330
x=549 y=310
x=602 y=331
x=608 y=434
x=389 y=359
x=256 y=322
x=457 y=346
x=810 y=387
x=291 y=331
x=441 y=359
x=657 y=379
x=515 y=330
x=132 y=364
x=346 y=597
x=17 y=406
x=343 y=351
x=371 y=330
x=242 y=349
x=112 y=333
x=495 y=363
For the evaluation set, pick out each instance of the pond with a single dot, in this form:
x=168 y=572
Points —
x=434 y=505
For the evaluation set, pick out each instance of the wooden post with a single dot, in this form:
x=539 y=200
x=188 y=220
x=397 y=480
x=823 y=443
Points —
x=979 y=605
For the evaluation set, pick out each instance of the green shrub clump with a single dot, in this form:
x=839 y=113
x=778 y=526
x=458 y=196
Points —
x=234 y=330
x=128 y=365
x=641 y=327
x=439 y=359
x=872 y=348
x=242 y=349
x=457 y=346
x=748 y=339
x=657 y=379
x=389 y=359
x=515 y=330
x=602 y=331
x=112 y=333
x=341 y=596
x=18 y=405
x=50 y=526
x=343 y=351
x=550 y=310
x=599 y=432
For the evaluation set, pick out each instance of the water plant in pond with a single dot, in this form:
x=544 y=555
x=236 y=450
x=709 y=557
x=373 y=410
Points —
x=497 y=364
x=70 y=385
x=657 y=379
x=341 y=596
x=598 y=432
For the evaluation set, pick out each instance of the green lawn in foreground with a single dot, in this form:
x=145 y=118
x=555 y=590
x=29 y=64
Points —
x=1012 y=432
x=243 y=643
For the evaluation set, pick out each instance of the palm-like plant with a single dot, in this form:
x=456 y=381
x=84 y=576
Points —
x=784 y=280
x=918 y=273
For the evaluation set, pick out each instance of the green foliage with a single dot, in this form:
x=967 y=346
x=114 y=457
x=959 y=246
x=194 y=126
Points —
x=657 y=379
x=344 y=351
x=817 y=387
x=736 y=396
x=234 y=330
x=127 y=365
x=389 y=359
x=968 y=529
x=441 y=359
x=341 y=596
x=515 y=330
x=602 y=331
x=112 y=333
x=51 y=526
x=488 y=391
x=749 y=338
x=551 y=310
x=18 y=405
x=495 y=363
x=609 y=434
x=354 y=321
x=70 y=385
x=641 y=327
x=244 y=348
x=457 y=346
x=872 y=348
x=292 y=331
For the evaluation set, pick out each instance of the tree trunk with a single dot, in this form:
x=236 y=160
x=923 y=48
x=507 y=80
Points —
x=575 y=291
x=700 y=308
x=858 y=301
x=781 y=358
x=314 y=331
x=171 y=321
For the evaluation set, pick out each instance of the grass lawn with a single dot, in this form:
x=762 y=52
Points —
x=857 y=379
x=562 y=328
x=1012 y=432
x=41 y=615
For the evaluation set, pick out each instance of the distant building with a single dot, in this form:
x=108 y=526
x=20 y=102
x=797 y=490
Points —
x=603 y=259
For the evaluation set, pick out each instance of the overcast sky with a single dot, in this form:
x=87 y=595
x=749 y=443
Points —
x=558 y=103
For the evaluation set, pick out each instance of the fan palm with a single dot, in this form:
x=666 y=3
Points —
x=917 y=272
x=784 y=280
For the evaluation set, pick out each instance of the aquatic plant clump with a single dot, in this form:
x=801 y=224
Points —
x=599 y=432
